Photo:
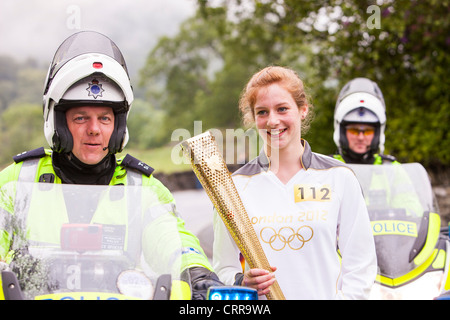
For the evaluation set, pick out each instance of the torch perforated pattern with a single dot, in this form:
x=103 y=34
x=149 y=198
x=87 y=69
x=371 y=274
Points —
x=212 y=172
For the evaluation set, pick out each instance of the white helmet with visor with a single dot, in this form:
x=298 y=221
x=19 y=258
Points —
x=360 y=101
x=88 y=69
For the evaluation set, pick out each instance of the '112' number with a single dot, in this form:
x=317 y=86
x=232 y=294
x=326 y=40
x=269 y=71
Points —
x=304 y=192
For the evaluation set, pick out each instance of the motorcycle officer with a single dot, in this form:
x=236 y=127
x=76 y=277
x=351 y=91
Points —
x=87 y=99
x=359 y=123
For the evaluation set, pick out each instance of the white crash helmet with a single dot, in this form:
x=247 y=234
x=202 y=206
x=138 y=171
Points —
x=87 y=69
x=360 y=101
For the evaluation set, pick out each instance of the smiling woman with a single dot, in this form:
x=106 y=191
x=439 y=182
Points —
x=275 y=100
x=278 y=118
x=301 y=204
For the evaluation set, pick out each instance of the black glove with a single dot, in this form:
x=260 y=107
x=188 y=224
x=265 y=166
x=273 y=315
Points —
x=201 y=279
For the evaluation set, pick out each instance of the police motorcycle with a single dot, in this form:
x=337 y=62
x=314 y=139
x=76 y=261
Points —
x=410 y=244
x=74 y=242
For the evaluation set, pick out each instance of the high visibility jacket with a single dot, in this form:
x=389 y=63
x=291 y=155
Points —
x=378 y=159
x=36 y=166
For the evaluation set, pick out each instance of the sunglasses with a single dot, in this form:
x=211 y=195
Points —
x=357 y=131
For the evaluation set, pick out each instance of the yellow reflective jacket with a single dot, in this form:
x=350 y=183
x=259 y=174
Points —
x=37 y=167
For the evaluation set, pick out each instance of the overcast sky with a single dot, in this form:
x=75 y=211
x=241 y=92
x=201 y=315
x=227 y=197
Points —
x=35 y=28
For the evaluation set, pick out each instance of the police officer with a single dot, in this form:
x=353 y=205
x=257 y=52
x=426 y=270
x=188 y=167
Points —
x=359 y=123
x=87 y=99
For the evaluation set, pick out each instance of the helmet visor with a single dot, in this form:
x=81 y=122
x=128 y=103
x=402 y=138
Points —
x=85 y=42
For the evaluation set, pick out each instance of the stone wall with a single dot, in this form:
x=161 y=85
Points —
x=440 y=180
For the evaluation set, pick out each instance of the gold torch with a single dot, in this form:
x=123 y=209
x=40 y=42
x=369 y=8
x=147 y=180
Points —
x=213 y=174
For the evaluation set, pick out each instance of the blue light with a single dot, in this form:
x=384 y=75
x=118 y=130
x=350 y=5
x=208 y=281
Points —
x=215 y=296
x=232 y=293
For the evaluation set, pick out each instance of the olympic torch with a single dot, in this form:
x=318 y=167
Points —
x=212 y=172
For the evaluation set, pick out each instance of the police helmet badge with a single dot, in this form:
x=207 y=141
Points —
x=95 y=89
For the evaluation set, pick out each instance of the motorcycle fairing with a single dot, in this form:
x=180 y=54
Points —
x=421 y=257
x=405 y=222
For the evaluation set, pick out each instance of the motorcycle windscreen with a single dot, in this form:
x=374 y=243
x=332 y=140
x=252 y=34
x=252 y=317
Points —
x=91 y=242
x=399 y=200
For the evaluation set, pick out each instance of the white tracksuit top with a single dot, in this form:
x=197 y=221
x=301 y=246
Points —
x=300 y=225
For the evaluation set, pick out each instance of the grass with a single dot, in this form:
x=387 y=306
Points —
x=165 y=159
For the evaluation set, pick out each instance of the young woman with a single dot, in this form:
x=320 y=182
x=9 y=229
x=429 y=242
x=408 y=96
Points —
x=307 y=209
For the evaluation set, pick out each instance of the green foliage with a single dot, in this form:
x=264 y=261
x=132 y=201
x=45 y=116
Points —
x=198 y=74
x=20 y=82
x=21 y=129
x=145 y=125
x=177 y=70
x=8 y=78
x=407 y=57
x=402 y=45
x=21 y=122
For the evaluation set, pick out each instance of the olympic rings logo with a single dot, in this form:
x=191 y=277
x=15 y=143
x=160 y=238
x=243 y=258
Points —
x=286 y=236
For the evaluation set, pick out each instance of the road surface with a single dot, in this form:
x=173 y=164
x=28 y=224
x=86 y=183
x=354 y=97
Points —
x=196 y=209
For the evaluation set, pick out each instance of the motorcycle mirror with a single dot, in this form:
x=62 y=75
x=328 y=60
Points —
x=11 y=288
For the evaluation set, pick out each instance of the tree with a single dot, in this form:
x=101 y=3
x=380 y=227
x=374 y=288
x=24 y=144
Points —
x=21 y=123
x=178 y=68
x=21 y=129
x=200 y=73
x=407 y=56
x=402 y=45
x=146 y=127
x=8 y=75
